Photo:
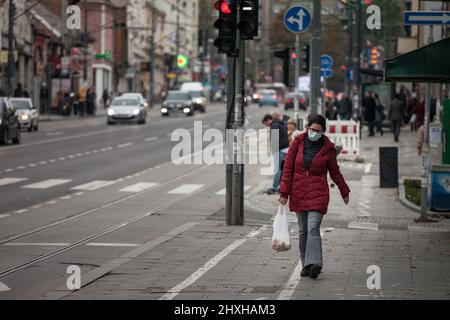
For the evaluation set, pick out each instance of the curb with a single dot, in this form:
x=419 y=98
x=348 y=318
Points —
x=70 y=118
x=413 y=207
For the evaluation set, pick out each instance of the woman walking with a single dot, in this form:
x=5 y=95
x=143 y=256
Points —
x=304 y=183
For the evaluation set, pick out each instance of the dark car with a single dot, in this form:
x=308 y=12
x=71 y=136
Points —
x=9 y=123
x=178 y=102
x=290 y=99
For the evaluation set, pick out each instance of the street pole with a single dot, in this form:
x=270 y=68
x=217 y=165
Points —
x=152 y=62
x=315 y=69
x=177 y=50
x=12 y=12
x=426 y=149
x=85 y=43
x=231 y=83
x=297 y=76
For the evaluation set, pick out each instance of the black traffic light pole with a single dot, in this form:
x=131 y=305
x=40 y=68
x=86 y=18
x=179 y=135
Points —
x=12 y=12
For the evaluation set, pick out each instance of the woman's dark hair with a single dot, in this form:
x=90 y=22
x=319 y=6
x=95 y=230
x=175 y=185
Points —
x=317 y=119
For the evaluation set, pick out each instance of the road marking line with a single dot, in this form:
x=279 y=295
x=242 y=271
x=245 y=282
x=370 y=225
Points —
x=172 y=293
x=224 y=191
x=125 y=145
x=151 y=139
x=37 y=206
x=364 y=226
x=71 y=156
x=21 y=211
x=425 y=229
x=18 y=244
x=21 y=168
x=52 y=202
x=2 y=216
x=32 y=165
x=186 y=189
x=9 y=170
x=119 y=245
x=4 y=287
x=43 y=162
x=66 y=198
x=94 y=185
x=294 y=280
x=47 y=184
x=79 y=155
x=52 y=160
x=78 y=194
x=6 y=181
x=139 y=187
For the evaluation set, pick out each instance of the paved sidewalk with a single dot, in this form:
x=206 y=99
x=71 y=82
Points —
x=210 y=260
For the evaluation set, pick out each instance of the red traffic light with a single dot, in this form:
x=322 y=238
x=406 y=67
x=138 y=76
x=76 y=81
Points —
x=294 y=56
x=222 y=6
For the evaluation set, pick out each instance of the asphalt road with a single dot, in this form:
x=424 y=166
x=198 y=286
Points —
x=81 y=193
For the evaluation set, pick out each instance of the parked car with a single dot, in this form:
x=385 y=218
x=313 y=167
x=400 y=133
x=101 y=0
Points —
x=138 y=96
x=9 y=123
x=290 y=99
x=177 y=102
x=127 y=110
x=199 y=101
x=27 y=113
x=268 y=98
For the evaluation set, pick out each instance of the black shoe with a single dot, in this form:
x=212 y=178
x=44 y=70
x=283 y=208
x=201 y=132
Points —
x=271 y=191
x=315 y=271
x=306 y=272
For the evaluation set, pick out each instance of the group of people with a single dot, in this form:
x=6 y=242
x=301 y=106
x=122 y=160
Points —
x=339 y=109
x=18 y=92
x=302 y=163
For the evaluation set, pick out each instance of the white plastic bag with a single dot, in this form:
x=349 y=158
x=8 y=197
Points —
x=281 y=239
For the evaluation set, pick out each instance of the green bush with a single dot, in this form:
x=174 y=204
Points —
x=413 y=191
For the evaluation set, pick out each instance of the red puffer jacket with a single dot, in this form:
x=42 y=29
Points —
x=308 y=190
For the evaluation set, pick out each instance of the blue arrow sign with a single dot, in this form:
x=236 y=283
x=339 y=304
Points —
x=326 y=62
x=297 y=19
x=426 y=17
x=327 y=73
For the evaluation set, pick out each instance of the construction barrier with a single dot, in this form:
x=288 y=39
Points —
x=347 y=134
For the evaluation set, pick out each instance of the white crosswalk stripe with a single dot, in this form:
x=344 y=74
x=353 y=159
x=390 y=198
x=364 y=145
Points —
x=186 y=189
x=94 y=185
x=138 y=187
x=6 y=181
x=224 y=191
x=47 y=184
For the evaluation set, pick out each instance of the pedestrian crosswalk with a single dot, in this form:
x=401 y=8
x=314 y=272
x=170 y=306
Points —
x=138 y=187
x=46 y=184
x=6 y=181
x=186 y=189
x=94 y=185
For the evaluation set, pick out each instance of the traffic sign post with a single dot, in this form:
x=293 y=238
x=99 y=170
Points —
x=297 y=19
x=426 y=17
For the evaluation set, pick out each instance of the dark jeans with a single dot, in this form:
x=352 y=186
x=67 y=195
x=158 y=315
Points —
x=396 y=127
x=371 y=127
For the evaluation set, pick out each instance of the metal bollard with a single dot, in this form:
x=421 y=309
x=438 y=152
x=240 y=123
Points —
x=388 y=167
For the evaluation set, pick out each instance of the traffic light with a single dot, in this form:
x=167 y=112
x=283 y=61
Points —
x=249 y=21
x=306 y=57
x=226 y=24
x=286 y=57
x=374 y=56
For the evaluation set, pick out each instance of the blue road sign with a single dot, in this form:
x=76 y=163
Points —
x=426 y=17
x=326 y=62
x=349 y=74
x=327 y=73
x=297 y=19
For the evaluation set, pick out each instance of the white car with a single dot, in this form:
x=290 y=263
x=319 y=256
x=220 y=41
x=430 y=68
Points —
x=27 y=113
x=137 y=96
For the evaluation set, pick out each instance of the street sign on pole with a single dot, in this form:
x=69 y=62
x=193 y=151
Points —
x=326 y=62
x=327 y=73
x=426 y=17
x=297 y=19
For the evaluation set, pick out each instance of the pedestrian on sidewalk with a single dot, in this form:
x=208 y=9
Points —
x=379 y=115
x=279 y=149
x=369 y=105
x=396 y=112
x=305 y=184
x=105 y=98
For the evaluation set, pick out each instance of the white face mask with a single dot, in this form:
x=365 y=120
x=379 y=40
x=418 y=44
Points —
x=314 y=136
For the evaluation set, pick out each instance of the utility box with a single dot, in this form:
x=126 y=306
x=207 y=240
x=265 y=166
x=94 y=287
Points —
x=388 y=167
x=439 y=191
x=446 y=131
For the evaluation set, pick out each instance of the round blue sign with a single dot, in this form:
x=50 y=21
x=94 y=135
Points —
x=326 y=62
x=297 y=19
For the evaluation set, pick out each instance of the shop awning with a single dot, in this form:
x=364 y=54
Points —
x=427 y=64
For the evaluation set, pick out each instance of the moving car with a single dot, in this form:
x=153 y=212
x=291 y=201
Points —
x=27 y=113
x=9 y=123
x=178 y=102
x=268 y=98
x=290 y=99
x=199 y=101
x=127 y=110
x=138 y=96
